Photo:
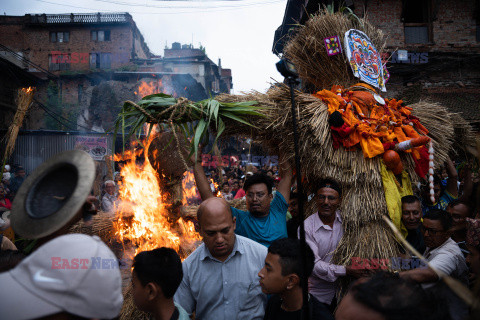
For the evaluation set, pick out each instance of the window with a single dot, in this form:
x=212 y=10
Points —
x=59 y=62
x=100 y=60
x=59 y=36
x=100 y=35
x=417 y=21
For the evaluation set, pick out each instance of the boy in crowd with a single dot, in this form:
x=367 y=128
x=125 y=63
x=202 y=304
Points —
x=156 y=276
x=282 y=276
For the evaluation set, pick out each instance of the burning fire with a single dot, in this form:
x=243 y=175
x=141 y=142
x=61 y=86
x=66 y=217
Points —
x=219 y=193
x=150 y=87
x=190 y=194
x=143 y=217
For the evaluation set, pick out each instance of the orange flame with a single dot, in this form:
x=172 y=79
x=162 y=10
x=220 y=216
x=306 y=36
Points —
x=143 y=218
x=219 y=193
x=190 y=194
x=28 y=90
x=150 y=87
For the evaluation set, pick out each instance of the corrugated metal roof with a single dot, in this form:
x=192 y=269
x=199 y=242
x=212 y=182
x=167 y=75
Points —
x=34 y=148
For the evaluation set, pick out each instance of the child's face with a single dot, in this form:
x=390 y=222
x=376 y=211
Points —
x=140 y=293
x=271 y=279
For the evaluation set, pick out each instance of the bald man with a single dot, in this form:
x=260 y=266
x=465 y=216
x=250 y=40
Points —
x=220 y=277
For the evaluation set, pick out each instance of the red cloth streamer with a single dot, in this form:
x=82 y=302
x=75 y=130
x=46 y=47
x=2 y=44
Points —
x=421 y=165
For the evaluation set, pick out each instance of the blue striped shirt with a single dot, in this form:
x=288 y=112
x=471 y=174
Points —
x=224 y=290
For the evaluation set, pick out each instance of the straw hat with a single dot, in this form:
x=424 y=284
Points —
x=53 y=194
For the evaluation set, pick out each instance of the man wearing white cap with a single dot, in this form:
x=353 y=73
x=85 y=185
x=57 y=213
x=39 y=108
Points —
x=70 y=276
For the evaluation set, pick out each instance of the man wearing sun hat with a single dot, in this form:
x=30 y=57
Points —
x=54 y=197
x=70 y=276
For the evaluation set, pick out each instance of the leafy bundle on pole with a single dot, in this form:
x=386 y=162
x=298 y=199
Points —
x=178 y=113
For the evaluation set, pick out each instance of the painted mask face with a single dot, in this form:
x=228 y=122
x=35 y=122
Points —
x=364 y=59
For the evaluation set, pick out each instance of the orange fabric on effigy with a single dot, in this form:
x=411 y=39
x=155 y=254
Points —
x=371 y=125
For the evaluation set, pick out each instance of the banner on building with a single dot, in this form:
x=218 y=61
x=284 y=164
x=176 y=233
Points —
x=95 y=146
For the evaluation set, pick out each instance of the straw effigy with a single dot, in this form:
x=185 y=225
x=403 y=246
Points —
x=366 y=235
x=363 y=204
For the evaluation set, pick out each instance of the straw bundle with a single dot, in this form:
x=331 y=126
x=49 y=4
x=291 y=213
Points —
x=129 y=310
x=168 y=155
x=464 y=136
x=306 y=49
x=438 y=121
x=102 y=226
x=24 y=101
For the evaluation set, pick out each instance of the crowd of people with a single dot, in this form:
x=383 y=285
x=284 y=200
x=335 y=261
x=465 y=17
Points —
x=250 y=265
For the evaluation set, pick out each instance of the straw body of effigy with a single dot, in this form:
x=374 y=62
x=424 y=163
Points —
x=363 y=203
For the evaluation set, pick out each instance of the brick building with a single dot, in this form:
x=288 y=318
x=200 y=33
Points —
x=442 y=40
x=75 y=42
x=91 y=63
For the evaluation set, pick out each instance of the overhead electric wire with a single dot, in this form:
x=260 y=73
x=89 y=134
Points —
x=22 y=58
x=125 y=3
x=55 y=118
x=46 y=109
x=218 y=9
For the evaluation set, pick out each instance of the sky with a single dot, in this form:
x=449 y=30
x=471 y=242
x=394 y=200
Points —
x=240 y=32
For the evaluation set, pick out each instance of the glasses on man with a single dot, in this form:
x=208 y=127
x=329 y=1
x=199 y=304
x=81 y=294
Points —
x=258 y=195
x=322 y=197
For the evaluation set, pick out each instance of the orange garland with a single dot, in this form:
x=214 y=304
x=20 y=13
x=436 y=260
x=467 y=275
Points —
x=370 y=124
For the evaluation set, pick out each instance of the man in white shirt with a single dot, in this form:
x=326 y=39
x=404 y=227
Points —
x=220 y=277
x=443 y=254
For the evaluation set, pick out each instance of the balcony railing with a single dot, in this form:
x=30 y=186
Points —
x=80 y=18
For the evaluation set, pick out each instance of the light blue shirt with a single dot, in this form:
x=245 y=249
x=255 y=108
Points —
x=224 y=290
x=264 y=230
x=182 y=314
